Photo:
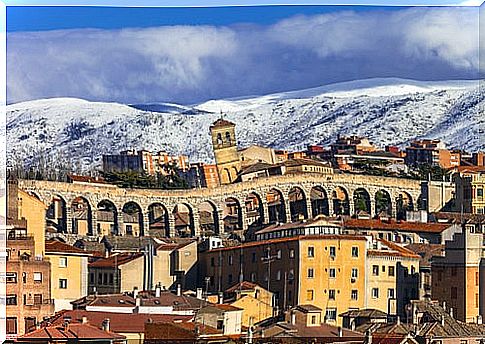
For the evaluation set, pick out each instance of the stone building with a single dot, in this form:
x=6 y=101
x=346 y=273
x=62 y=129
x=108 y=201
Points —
x=470 y=189
x=224 y=144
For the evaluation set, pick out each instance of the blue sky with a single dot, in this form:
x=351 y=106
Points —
x=188 y=55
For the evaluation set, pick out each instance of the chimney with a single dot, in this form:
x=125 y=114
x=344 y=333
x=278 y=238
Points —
x=221 y=298
x=135 y=292
x=106 y=325
x=199 y=293
x=340 y=332
x=398 y=320
x=442 y=320
x=138 y=302
x=444 y=305
x=479 y=319
x=65 y=325
x=158 y=290
x=451 y=312
x=293 y=318
x=368 y=337
x=352 y=325
x=84 y=320
x=179 y=290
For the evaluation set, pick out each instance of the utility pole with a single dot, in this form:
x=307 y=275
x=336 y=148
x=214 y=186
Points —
x=268 y=260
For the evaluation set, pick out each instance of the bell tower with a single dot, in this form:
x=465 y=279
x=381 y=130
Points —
x=224 y=144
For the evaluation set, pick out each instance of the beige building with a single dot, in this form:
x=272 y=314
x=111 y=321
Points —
x=392 y=277
x=459 y=277
x=224 y=144
x=69 y=273
x=255 y=301
x=470 y=189
x=255 y=153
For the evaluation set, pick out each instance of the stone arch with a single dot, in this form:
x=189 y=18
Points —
x=158 y=219
x=383 y=203
x=208 y=218
x=319 y=201
x=184 y=220
x=254 y=210
x=107 y=218
x=276 y=206
x=56 y=215
x=340 y=200
x=133 y=219
x=227 y=137
x=232 y=215
x=297 y=202
x=81 y=216
x=362 y=201
x=404 y=202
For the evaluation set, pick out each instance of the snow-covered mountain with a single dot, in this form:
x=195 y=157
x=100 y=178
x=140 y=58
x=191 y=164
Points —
x=388 y=111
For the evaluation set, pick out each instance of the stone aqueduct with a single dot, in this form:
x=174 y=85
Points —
x=267 y=200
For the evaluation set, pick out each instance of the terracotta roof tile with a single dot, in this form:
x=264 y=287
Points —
x=115 y=260
x=72 y=331
x=416 y=227
x=221 y=122
x=55 y=246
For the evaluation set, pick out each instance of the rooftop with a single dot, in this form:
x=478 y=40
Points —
x=221 y=122
x=115 y=260
x=392 y=250
x=392 y=225
x=71 y=332
x=55 y=246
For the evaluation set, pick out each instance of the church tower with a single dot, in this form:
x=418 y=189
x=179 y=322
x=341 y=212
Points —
x=224 y=144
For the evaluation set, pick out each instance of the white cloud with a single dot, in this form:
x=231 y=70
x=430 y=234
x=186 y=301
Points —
x=194 y=63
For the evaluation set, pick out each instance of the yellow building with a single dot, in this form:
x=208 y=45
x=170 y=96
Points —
x=470 y=189
x=255 y=153
x=256 y=302
x=69 y=273
x=392 y=277
x=327 y=271
x=33 y=210
x=224 y=144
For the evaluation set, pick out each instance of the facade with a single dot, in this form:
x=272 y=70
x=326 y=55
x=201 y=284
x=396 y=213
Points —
x=202 y=175
x=392 y=277
x=470 y=189
x=353 y=145
x=431 y=152
x=459 y=277
x=255 y=301
x=143 y=161
x=224 y=144
x=314 y=269
x=255 y=153
x=223 y=317
x=69 y=273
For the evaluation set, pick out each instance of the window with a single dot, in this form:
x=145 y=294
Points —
x=24 y=277
x=355 y=273
x=62 y=283
x=477 y=279
x=333 y=252
x=332 y=273
x=314 y=319
x=91 y=278
x=30 y=323
x=11 y=300
x=311 y=251
x=11 y=277
x=253 y=277
x=375 y=293
x=331 y=294
x=11 y=325
x=278 y=275
x=479 y=192
x=111 y=277
x=375 y=270
x=212 y=261
x=278 y=254
x=231 y=260
x=100 y=278
x=383 y=268
x=253 y=257
x=355 y=251
x=37 y=277
x=229 y=278
x=309 y=295
x=310 y=273
x=331 y=314
x=390 y=271
x=354 y=294
x=292 y=253
x=37 y=299
x=390 y=293
x=63 y=262
x=291 y=275
x=477 y=300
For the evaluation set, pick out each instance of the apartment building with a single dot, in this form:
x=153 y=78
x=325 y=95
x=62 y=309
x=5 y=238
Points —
x=470 y=189
x=431 y=152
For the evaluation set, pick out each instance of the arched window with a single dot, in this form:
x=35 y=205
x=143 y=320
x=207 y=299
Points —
x=228 y=137
x=219 y=139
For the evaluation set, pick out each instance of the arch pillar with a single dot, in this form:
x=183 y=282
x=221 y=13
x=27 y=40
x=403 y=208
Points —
x=69 y=224
x=351 y=207
x=372 y=207
x=287 y=210
x=330 y=204
x=195 y=223
x=264 y=204
x=309 y=210
x=220 y=220
x=94 y=222
x=146 y=224
x=243 y=218
x=171 y=225
x=120 y=222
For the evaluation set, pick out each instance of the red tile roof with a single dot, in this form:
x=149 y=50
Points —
x=227 y=308
x=416 y=227
x=221 y=122
x=55 y=246
x=115 y=260
x=470 y=169
x=244 y=285
x=119 y=322
x=70 y=332
x=295 y=238
x=397 y=251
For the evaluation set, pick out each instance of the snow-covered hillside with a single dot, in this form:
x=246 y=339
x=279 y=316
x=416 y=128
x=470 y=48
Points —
x=388 y=111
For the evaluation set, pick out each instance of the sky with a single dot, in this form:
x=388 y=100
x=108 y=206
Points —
x=189 y=55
